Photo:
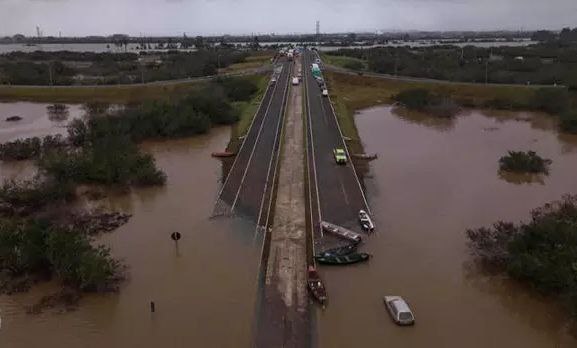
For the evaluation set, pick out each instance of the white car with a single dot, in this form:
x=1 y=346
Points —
x=325 y=93
x=295 y=81
x=399 y=310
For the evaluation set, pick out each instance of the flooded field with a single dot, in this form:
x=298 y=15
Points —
x=204 y=288
x=38 y=119
x=432 y=181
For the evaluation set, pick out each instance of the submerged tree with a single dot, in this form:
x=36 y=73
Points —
x=524 y=162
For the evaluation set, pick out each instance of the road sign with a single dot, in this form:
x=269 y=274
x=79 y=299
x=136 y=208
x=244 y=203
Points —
x=175 y=236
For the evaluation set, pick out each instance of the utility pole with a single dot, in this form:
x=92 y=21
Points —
x=487 y=71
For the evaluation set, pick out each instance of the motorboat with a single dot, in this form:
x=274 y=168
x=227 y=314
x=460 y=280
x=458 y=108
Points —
x=316 y=286
x=366 y=221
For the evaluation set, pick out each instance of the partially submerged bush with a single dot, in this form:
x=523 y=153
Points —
x=35 y=193
x=524 y=162
x=421 y=99
x=568 y=122
x=540 y=252
x=34 y=246
x=30 y=148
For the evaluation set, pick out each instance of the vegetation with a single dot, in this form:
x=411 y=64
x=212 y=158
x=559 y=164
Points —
x=30 y=148
x=31 y=247
x=540 y=252
x=568 y=122
x=88 y=68
x=524 y=162
x=547 y=63
x=24 y=196
x=424 y=100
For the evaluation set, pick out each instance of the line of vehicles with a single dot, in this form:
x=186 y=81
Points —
x=397 y=307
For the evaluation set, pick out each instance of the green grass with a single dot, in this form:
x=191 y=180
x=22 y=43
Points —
x=247 y=112
x=341 y=61
x=120 y=94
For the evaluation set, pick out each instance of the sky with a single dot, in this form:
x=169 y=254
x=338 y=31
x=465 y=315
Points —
x=216 y=17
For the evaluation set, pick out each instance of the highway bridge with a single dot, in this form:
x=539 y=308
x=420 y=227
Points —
x=287 y=192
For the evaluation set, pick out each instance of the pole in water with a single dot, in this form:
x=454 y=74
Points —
x=152 y=307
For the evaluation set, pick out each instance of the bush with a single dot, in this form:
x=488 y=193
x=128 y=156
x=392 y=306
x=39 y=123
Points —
x=540 y=252
x=568 y=122
x=353 y=65
x=552 y=100
x=30 y=148
x=34 y=193
x=238 y=89
x=524 y=162
x=34 y=246
x=417 y=98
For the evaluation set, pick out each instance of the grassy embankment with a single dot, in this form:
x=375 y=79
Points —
x=350 y=93
x=247 y=112
x=252 y=62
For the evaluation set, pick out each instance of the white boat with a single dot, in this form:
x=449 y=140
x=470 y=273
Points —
x=366 y=221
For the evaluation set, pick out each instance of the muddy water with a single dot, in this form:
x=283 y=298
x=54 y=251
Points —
x=431 y=182
x=204 y=289
x=37 y=120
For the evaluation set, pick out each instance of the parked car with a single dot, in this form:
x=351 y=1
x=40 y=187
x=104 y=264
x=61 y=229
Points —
x=325 y=93
x=399 y=310
x=295 y=81
x=340 y=156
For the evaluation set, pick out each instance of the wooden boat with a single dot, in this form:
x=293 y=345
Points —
x=341 y=232
x=340 y=251
x=365 y=156
x=223 y=154
x=343 y=260
x=316 y=286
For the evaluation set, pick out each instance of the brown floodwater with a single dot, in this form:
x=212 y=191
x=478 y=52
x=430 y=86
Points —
x=433 y=180
x=204 y=288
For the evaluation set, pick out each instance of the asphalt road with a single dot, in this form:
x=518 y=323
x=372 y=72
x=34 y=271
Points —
x=248 y=186
x=336 y=193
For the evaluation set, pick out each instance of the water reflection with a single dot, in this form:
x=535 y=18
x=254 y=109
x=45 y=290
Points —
x=421 y=118
x=522 y=178
x=429 y=185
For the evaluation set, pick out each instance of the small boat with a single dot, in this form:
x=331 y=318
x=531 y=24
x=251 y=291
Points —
x=13 y=118
x=223 y=154
x=366 y=221
x=341 y=232
x=343 y=260
x=316 y=286
x=365 y=156
x=340 y=251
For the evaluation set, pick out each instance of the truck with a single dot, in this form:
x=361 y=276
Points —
x=290 y=56
x=316 y=70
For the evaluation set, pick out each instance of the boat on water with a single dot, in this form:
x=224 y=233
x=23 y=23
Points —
x=341 y=232
x=343 y=260
x=366 y=221
x=223 y=154
x=340 y=251
x=316 y=286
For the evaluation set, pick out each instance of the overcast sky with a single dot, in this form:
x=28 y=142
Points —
x=206 y=17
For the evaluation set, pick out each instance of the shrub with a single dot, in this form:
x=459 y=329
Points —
x=238 y=89
x=415 y=98
x=353 y=65
x=34 y=193
x=568 y=122
x=540 y=252
x=552 y=100
x=524 y=162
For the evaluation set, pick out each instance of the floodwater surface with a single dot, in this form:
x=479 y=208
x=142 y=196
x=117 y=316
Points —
x=432 y=181
x=204 y=288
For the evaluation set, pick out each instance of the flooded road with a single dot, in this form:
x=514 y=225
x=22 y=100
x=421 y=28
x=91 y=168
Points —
x=432 y=181
x=204 y=289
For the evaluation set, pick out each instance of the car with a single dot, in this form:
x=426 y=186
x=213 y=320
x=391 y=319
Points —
x=295 y=81
x=399 y=310
x=325 y=93
x=273 y=80
x=340 y=156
